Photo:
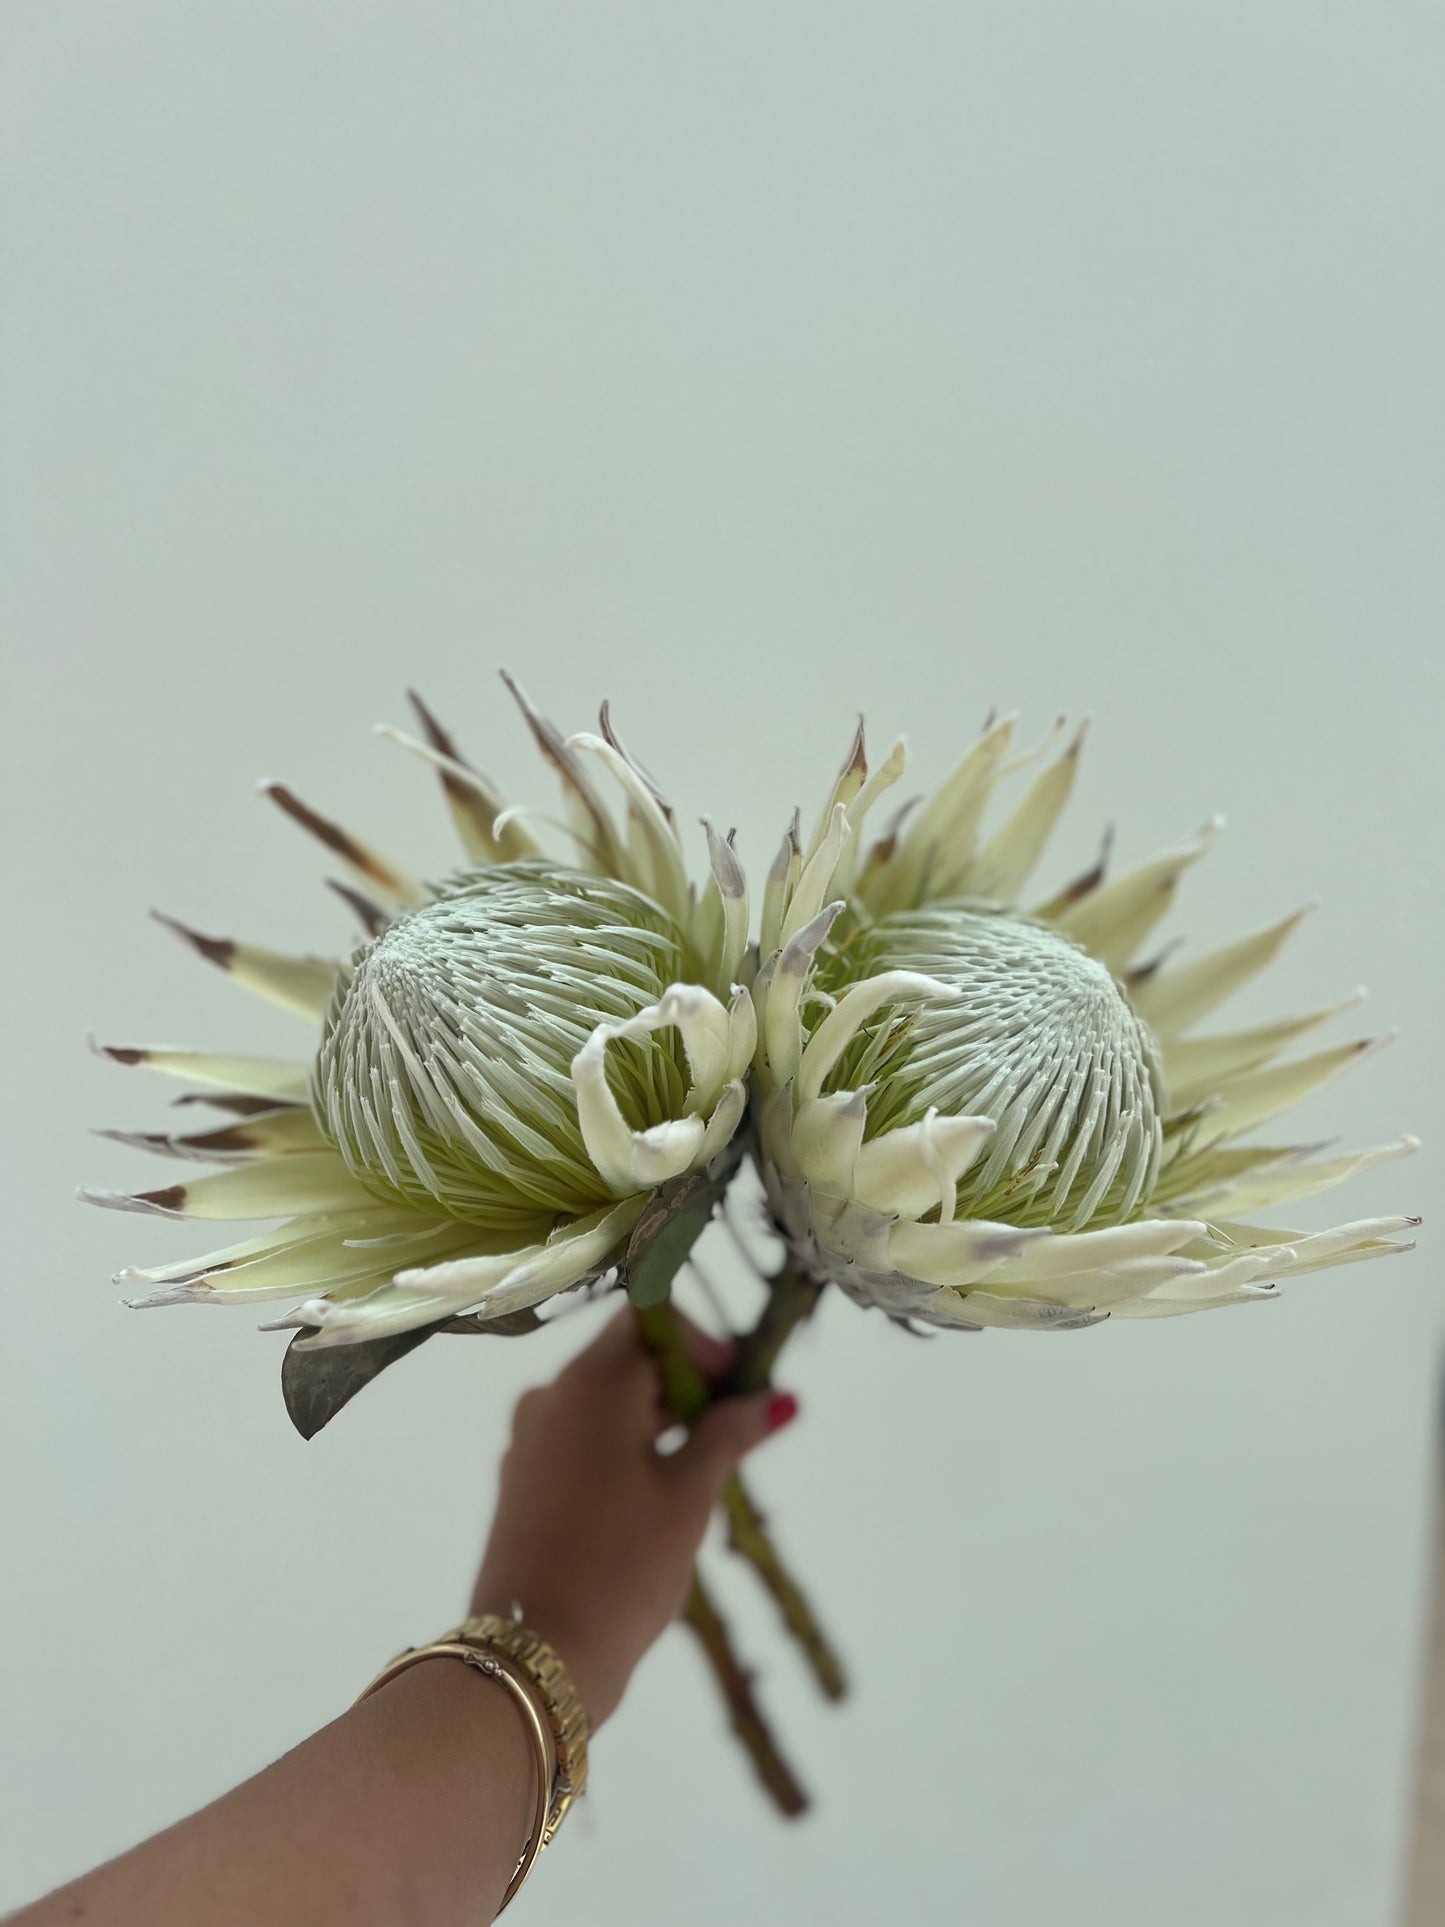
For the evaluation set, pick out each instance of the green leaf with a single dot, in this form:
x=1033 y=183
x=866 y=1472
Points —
x=676 y=1217
x=316 y=1384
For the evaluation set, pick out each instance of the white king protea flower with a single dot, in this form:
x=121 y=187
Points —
x=505 y=1071
x=980 y=1109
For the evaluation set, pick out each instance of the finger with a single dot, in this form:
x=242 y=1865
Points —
x=617 y=1347
x=614 y=1378
x=728 y=1430
x=713 y=1357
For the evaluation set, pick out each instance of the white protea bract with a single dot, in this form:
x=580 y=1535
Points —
x=505 y=1070
x=976 y=1109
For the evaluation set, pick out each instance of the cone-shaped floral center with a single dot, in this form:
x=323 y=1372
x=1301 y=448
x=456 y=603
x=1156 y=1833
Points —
x=443 y=1076
x=1041 y=1039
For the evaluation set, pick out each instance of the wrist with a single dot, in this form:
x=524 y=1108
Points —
x=594 y=1675
x=533 y=1675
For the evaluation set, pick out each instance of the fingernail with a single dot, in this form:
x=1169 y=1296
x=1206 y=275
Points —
x=782 y=1409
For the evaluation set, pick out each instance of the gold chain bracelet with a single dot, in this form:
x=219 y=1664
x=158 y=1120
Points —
x=540 y=1685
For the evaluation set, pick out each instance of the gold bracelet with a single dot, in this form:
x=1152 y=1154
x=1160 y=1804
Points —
x=531 y=1671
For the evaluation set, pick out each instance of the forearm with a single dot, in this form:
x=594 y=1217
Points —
x=414 y=1805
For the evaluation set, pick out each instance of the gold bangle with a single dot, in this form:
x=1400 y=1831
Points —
x=541 y=1666
x=530 y=1670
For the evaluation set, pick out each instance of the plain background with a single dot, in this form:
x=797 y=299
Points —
x=750 y=365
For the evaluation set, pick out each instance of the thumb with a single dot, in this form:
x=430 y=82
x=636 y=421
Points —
x=729 y=1429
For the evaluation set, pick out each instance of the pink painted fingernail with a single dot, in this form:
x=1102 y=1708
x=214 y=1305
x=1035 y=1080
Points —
x=782 y=1409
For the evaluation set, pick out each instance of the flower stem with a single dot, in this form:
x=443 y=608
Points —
x=683 y=1386
x=791 y=1299
x=748 y=1536
x=687 y=1394
x=735 y=1684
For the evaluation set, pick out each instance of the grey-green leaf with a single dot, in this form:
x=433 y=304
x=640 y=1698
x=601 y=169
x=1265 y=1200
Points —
x=675 y=1218
x=316 y=1384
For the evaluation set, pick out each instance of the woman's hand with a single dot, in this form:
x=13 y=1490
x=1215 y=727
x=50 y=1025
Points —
x=595 y=1531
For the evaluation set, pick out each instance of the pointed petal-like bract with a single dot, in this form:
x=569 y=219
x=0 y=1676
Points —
x=1306 y=1178
x=289 y=1129
x=274 y=1078
x=269 y=1188
x=1176 y=999
x=728 y=888
x=492 y=1286
x=384 y=878
x=935 y=851
x=325 y=1252
x=1253 y=1098
x=302 y=985
x=477 y=809
x=1113 y=922
x=1196 y=1067
x=1007 y=860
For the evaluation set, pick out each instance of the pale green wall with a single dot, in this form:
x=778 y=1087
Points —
x=750 y=364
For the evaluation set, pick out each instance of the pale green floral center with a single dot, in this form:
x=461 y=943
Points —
x=1042 y=1039
x=443 y=1077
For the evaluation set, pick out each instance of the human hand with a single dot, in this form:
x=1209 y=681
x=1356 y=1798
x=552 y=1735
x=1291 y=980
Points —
x=595 y=1531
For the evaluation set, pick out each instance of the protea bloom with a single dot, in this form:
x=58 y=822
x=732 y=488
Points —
x=977 y=1108
x=500 y=1077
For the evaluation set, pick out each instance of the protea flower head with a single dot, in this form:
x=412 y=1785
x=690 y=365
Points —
x=980 y=1108
x=505 y=1070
